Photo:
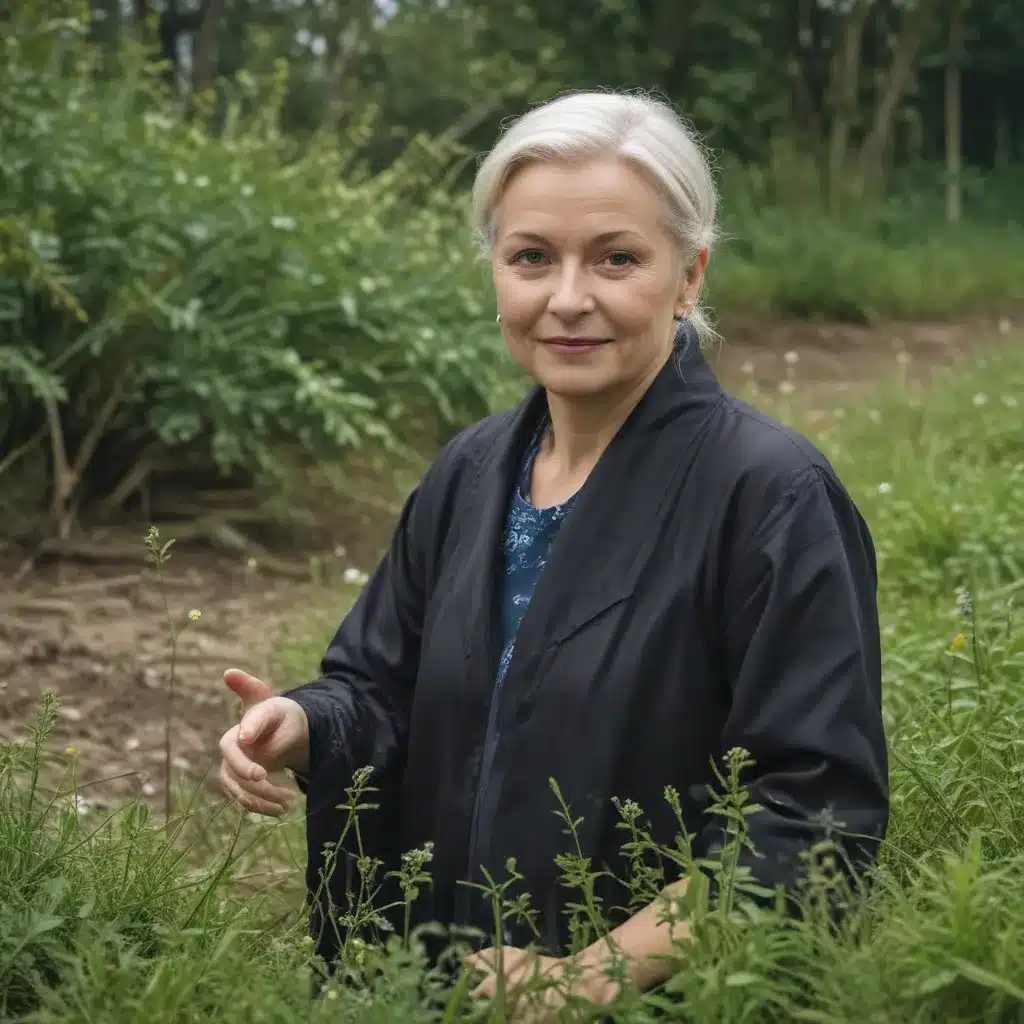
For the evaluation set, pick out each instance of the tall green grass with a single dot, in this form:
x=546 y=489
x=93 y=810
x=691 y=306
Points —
x=120 y=920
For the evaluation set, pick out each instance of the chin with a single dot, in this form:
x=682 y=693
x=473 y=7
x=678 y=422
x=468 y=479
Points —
x=578 y=382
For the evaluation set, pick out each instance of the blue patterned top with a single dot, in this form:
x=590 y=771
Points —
x=526 y=544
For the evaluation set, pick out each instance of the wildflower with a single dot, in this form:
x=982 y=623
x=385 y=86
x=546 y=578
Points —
x=194 y=615
x=903 y=357
x=71 y=751
x=786 y=387
x=353 y=575
x=791 y=358
x=332 y=993
x=202 y=181
x=884 y=487
x=959 y=642
x=180 y=177
x=964 y=603
x=747 y=368
x=283 y=223
x=980 y=400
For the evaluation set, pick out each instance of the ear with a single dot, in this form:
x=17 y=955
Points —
x=689 y=286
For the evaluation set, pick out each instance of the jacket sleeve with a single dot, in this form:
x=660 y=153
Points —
x=802 y=653
x=358 y=714
x=358 y=709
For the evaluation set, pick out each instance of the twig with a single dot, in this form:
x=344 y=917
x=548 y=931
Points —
x=12 y=457
x=62 y=482
x=95 y=432
x=133 y=479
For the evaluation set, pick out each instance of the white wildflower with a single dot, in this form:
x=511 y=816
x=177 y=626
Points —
x=353 y=575
x=884 y=487
x=792 y=357
x=980 y=400
x=786 y=387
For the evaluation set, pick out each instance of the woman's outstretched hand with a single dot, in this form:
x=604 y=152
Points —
x=272 y=735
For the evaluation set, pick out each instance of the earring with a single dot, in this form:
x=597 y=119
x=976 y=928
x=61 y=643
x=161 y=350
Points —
x=497 y=319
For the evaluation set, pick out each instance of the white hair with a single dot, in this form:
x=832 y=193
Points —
x=584 y=125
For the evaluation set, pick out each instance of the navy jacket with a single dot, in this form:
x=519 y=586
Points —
x=713 y=588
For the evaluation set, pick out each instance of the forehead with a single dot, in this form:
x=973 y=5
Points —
x=597 y=196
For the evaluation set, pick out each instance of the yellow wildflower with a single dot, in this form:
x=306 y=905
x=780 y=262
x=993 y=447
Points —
x=959 y=642
x=71 y=751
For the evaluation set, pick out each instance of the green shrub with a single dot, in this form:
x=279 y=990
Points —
x=165 y=287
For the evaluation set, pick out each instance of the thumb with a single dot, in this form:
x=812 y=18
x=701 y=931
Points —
x=248 y=687
x=261 y=720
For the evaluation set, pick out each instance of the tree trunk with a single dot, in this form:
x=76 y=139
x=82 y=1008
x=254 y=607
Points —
x=671 y=21
x=954 y=113
x=348 y=43
x=806 y=102
x=843 y=90
x=1004 y=149
x=204 y=67
x=896 y=82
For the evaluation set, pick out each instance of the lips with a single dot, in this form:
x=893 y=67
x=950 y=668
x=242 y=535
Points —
x=575 y=344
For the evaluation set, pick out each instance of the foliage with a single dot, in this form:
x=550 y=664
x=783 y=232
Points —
x=227 y=294
x=215 y=287
x=106 y=920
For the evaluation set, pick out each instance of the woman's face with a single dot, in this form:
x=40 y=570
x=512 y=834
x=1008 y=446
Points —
x=588 y=278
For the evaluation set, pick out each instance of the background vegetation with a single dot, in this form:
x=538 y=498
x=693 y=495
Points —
x=233 y=239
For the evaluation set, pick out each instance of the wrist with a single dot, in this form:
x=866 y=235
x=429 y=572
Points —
x=297 y=759
x=604 y=968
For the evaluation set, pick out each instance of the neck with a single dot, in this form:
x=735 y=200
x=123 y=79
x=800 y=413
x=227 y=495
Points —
x=581 y=429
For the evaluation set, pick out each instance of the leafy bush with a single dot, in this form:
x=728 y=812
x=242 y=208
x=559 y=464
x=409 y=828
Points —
x=168 y=285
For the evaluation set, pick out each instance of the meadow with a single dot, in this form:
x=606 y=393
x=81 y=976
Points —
x=127 y=919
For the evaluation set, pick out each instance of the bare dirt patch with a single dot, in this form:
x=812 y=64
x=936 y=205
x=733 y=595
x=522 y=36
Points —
x=97 y=633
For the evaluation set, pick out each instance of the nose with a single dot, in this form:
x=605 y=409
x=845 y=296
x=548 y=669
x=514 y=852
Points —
x=570 y=296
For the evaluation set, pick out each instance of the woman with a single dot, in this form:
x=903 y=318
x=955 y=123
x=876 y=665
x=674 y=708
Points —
x=707 y=582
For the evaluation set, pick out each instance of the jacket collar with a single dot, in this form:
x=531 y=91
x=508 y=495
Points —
x=595 y=558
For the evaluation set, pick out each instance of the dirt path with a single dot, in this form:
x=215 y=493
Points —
x=98 y=634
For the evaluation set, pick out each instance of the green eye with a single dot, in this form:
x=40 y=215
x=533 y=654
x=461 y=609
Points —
x=524 y=257
x=620 y=259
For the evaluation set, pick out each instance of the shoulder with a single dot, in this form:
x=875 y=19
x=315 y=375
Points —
x=469 y=450
x=754 y=449
x=772 y=474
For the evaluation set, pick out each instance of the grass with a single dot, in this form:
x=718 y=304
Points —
x=128 y=919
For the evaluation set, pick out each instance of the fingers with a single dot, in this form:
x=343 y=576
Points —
x=261 y=798
x=248 y=687
x=260 y=720
x=509 y=962
x=241 y=765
